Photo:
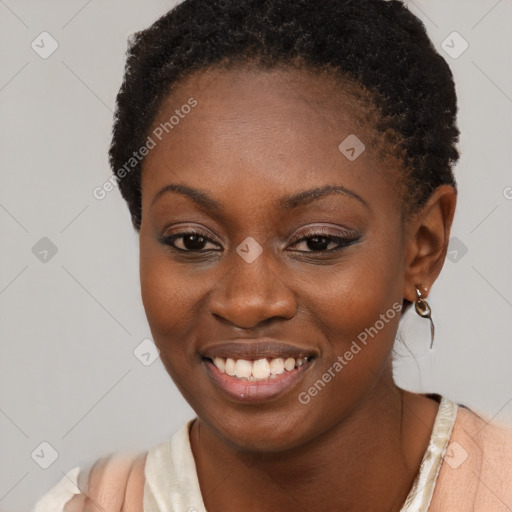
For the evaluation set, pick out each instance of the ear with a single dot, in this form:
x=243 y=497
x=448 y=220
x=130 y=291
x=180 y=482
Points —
x=426 y=243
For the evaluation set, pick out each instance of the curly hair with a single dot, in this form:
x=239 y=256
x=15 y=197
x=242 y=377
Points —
x=379 y=45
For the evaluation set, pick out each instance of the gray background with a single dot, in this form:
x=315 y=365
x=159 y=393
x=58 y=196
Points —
x=69 y=324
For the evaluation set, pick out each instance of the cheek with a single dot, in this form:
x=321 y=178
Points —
x=168 y=297
x=358 y=309
x=352 y=297
x=174 y=296
x=169 y=300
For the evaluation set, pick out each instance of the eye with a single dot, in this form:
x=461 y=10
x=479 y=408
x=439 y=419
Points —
x=321 y=240
x=190 y=241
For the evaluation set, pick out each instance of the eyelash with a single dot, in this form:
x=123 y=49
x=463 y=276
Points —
x=342 y=241
x=168 y=240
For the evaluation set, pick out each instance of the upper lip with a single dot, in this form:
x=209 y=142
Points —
x=256 y=349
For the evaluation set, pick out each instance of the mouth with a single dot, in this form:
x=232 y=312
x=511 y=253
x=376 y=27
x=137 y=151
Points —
x=265 y=371
x=258 y=370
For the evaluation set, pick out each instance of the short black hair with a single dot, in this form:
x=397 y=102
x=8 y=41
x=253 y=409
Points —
x=379 y=44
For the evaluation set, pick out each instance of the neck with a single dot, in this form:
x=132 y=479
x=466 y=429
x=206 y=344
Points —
x=367 y=461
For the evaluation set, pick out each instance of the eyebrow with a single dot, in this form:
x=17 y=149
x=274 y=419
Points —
x=288 y=202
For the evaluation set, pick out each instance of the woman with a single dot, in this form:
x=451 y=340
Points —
x=288 y=166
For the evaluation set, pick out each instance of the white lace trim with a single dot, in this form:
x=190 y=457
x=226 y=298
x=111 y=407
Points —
x=422 y=490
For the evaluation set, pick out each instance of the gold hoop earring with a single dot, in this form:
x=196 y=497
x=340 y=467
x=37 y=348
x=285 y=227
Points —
x=423 y=309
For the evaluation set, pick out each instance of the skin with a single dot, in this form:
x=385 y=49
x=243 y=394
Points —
x=253 y=138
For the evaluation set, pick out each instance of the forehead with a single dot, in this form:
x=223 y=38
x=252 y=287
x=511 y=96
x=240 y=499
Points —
x=280 y=126
x=300 y=94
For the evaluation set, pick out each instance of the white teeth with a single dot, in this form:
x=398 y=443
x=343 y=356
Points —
x=243 y=368
x=260 y=369
x=289 y=364
x=220 y=364
x=230 y=367
x=277 y=366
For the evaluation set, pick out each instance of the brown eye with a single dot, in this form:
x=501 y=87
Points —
x=323 y=243
x=322 y=240
x=319 y=243
x=190 y=242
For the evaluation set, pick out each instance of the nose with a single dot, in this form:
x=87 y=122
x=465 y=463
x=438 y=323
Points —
x=250 y=294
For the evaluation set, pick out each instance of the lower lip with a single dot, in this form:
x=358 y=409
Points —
x=255 y=391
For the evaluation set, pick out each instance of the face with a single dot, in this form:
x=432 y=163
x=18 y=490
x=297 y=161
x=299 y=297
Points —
x=271 y=264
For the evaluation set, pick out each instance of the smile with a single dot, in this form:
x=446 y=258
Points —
x=256 y=380
x=258 y=370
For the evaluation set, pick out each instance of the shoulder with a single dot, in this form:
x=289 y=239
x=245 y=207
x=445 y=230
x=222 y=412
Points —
x=117 y=481
x=107 y=484
x=57 y=497
x=476 y=472
x=493 y=439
